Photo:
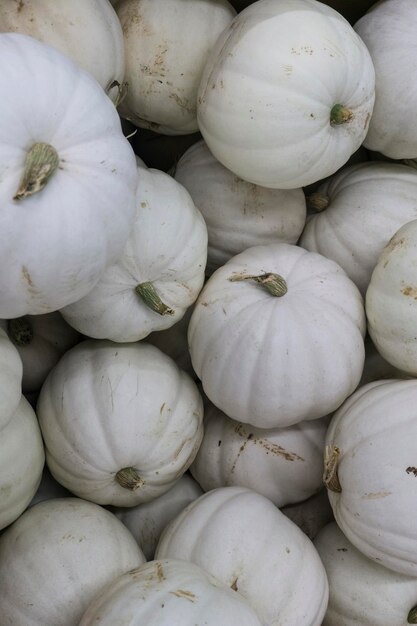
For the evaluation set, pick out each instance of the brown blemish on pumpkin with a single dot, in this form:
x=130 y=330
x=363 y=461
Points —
x=234 y=585
x=162 y=408
x=20 y=5
x=342 y=549
x=269 y=446
x=376 y=495
x=394 y=243
x=183 y=103
x=410 y=291
x=183 y=593
x=26 y=276
x=412 y=470
x=367 y=118
x=160 y=572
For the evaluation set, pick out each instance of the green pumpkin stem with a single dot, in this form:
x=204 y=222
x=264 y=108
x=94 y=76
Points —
x=41 y=163
x=331 y=461
x=20 y=331
x=317 y=201
x=151 y=298
x=340 y=114
x=274 y=283
x=412 y=616
x=128 y=478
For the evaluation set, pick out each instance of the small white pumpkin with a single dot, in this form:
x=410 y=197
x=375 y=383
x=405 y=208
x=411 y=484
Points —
x=371 y=474
x=169 y=592
x=241 y=538
x=68 y=179
x=147 y=521
x=76 y=28
x=238 y=214
x=160 y=273
x=55 y=559
x=276 y=336
x=166 y=47
x=286 y=94
x=312 y=514
x=121 y=422
x=361 y=591
x=391 y=301
x=11 y=371
x=22 y=459
x=388 y=31
x=364 y=205
x=283 y=464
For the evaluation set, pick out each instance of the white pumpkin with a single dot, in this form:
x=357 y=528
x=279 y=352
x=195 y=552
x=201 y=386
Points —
x=56 y=557
x=276 y=360
x=40 y=341
x=364 y=205
x=286 y=94
x=361 y=591
x=147 y=521
x=22 y=459
x=160 y=273
x=238 y=214
x=121 y=422
x=312 y=514
x=68 y=179
x=283 y=464
x=76 y=28
x=391 y=301
x=370 y=472
x=166 y=47
x=388 y=31
x=169 y=592
x=241 y=538
x=11 y=371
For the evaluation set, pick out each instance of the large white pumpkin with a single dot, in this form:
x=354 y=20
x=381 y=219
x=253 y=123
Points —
x=241 y=538
x=22 y=459
x=287 y=93
x=11 y=371
x=238 y=214
x=78 y=29
x=371 y=474
x=68 y=179
x=388 y=30
x=121 y=422
x=276 y=360
x=56 y=557
x=283 y=464
x=391 y=300
x=166 y=46
x=365 y=205
x=361 y=591
x=160 y=273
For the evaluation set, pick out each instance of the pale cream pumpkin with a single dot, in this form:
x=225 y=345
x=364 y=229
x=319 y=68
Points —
x=11 y=371
x=56 y=557
x=121 y=422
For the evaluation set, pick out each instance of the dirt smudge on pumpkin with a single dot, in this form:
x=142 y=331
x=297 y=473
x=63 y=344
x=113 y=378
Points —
x=412 y=470
x=20 y=5
x=26 y=276
x=234 y=585
x=410 y=291
x=377 y=495
x=393 y=243
x=160 y=572
x=269 y=446
x=183 y=593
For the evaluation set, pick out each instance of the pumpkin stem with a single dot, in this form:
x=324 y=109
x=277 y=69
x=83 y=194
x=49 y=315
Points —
x=274 y=283
x=317 y=201
x=151 y=298
x=331 y=460
x=340 y=114
x=20 y=331
x=122 y=89
x=412 y=616
x=128 y=478
x=41 y=163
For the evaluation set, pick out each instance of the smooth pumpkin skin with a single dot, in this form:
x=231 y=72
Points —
x=55 y=243
x=169 y=592
x=360 y=590
x=277 y=570
x=76 y=28
x=56 y=557
x=11 y=372
x=268 y=89
x=22 y=459
x=106 y=407
x=375 y=431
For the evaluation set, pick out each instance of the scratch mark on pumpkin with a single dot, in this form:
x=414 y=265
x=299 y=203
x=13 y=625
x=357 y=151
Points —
x=183 y=593
x=376 y=495
x=26 y=276
x=269 y=446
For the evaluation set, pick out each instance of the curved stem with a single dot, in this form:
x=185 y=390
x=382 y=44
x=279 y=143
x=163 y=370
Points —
x=20 y=331
x=274 y=283
x=340 y=114
x=41 y=163
x=151 y=298
x=317 y=201
x=331 y=461
x=128 y=478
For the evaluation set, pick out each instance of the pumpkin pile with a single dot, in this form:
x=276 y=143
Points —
x=208 y=295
